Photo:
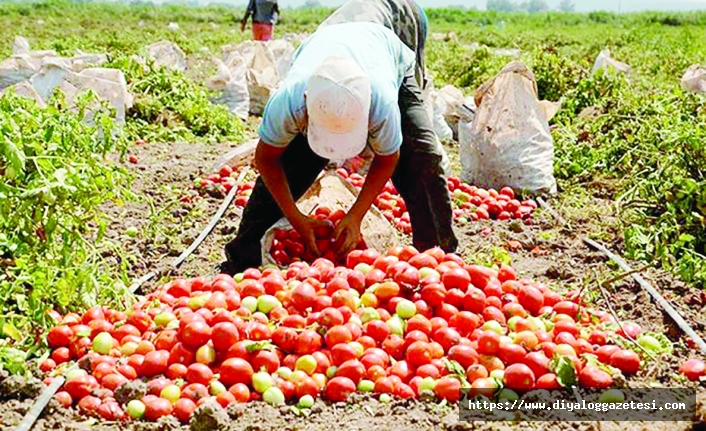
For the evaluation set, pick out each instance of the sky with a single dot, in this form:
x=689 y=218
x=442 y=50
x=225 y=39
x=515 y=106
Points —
x=581 y=5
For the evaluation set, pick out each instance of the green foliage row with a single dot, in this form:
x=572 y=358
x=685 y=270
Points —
x=55 y=173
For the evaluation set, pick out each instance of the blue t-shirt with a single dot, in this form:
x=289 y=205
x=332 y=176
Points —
x=378 y=52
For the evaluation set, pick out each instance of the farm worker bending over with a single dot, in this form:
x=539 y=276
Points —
x=264 y=15
x=350 y=85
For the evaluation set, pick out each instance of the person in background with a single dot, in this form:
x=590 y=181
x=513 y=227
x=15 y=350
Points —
x=264 y=16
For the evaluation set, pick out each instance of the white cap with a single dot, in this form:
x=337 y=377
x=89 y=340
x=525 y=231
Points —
x=338 y=105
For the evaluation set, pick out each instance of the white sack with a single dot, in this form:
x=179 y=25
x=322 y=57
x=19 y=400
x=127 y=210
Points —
x=605 y=61
x=694 y=79
x=231 y=81
x=167 y=54
x=20 y=46
x=508 y=143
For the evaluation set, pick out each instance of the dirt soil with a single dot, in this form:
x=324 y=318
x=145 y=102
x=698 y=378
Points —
x=550 y=250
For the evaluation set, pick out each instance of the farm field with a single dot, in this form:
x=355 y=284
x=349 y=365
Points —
x=87 y=209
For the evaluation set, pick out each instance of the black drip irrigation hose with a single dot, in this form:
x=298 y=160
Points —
x=41 y=402
x=644 y=284
x=673 y=313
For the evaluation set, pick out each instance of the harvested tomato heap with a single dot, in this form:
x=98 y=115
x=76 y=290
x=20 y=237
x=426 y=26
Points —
x=219 y=184
x=287 y=246
x=470 y=203
x=397 y=324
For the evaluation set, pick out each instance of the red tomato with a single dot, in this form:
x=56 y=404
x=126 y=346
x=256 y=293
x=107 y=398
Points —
x=235 y=370
x=195 y=392
x=519 y=376
x=155 y=363
x=195 y=334
x=60 y=336
x=267 y=360
x=241 y=392
x=448 y=388
x=339 y=388
x=419 y=353
x=224 y=335
x=183 y=409
x=157 y=408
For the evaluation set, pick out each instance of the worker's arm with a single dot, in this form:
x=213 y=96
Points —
x=249 y=11
x=268 y=161
x=347 y=233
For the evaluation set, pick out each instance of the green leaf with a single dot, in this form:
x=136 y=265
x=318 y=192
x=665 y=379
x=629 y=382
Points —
x=260 y=345
x=564 y=370
x=10 y=330
x=15 y=157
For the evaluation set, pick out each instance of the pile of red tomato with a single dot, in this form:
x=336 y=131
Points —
x=470 y=203
x=287 y=245
x=396 y=324
x=221 y=183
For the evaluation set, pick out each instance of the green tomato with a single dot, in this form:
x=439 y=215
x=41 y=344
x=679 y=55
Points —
x=385 y=398
x=369 y=314
x=267 y=303
x=511 y=322
x=273 y=396
x=649 y=343
x=505 y=340
x=75 y=374
x=427 y=384
x=262 y=381
x=128 y=348
x=612 y=396
x=366 y=386
x=136 y=409
x=103 y=343
x=354 y=319
x=198 y=301
x=284 y=372
x=216 y=388
x=206 y=354
x=163 y=319
x=406 y=309
x=171 y=393
x=493 y=325
x=239 y=277
x=306 y=402
x=498 y=374
x=249 y=302
x=426 y=272
x=368 y=299
x=131 y=231
x=306 y=363
x=331 y=372
x=357 y=348
x=396 y=325
x=364 y=268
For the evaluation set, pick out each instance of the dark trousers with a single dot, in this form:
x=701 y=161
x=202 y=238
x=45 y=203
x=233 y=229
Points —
x=418 y=178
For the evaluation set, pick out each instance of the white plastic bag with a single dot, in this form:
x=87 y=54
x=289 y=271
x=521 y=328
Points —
x=604 y=60
x=508 y=143
x=108 y=84
x=20 y=46
x=694 y=79
x=231 y=81
x=283 y=50
x=167 y=54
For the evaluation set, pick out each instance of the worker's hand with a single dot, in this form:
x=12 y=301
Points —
x=306 y=228
x=347 y=234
